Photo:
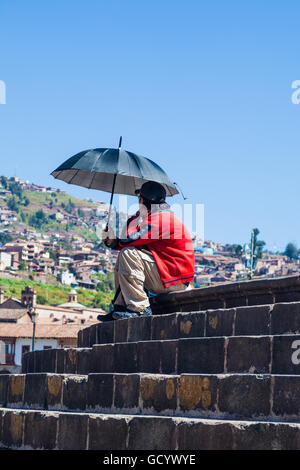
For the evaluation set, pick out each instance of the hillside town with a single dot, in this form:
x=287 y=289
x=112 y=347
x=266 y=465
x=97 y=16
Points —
x=47 y=236
x=73 y=258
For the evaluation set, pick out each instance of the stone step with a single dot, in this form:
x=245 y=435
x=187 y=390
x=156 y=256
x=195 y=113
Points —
x=221 y=396
x=232 y=294
x=48 y=430
x=282 y=318
x=278 y=354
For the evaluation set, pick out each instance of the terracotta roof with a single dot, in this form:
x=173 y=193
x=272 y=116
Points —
x=69 y=310
x=18 y=330
x=9 y=314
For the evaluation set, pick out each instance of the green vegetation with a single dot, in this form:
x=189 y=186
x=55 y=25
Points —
x=258 y=246
x=291 y=251
x=48 y=294
x=5 y=237
x=235 y=249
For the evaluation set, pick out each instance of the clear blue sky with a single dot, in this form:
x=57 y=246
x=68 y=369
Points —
x=202 y=88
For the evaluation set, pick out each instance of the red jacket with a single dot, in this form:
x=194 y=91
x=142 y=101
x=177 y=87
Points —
x=169 y=242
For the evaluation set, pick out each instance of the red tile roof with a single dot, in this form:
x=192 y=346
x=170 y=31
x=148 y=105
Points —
x=18 y=330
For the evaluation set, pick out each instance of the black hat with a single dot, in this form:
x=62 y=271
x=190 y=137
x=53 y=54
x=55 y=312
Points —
x=153 y=192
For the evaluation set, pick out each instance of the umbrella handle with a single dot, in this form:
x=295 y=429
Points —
x=110 y=203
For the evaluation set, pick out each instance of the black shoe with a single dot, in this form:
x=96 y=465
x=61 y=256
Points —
x=128 y=313
x=108 y=316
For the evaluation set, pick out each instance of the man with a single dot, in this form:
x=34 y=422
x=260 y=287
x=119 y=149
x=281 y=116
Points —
x=156 y=255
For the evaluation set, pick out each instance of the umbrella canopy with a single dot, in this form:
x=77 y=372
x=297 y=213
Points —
x=112 y=170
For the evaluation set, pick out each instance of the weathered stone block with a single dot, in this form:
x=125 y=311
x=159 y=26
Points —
x=93 y=337
x=266 y=436
x=100 y=389
x=107 y=432
x=103 y=358
x=209 y=304
x=12 y=428
x=245 y=396
x=289 y=296
x=30 y=362
x=168 y=356
x=286 y=318
x=120 y=331
x=35 y=390
x=139 y=329
x=198 y=392
x=220 y=322
x=252 y=321
x=260 y=299
x=72 y=431
x=152 y=433
x=204 y=435
x=106 y=333
x=126 y=395
x=40 y=430
x=148 y=356
x=75 y=392
x=80 y=339
x=84 y=360
x=16 y=389
x=48 y=360
x=24 y=362
x=70 y=366
x=286 y=396
x=158 y=393
x=86 y=337
x=191 y=325
x=4 y=383
x=38 y=362
x=239 y=301
x=125 y=357
x=194 y=306
x=164 y=327
x=286 y=354
x=203 y=355
x=249 y=354
x=60 y=361
x=53 y=391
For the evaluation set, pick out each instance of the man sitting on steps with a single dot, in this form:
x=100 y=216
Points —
x=156 y=255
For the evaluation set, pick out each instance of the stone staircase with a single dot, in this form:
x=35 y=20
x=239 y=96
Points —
x=223 y=378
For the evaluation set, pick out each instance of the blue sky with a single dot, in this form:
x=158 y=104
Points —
x=202 y=88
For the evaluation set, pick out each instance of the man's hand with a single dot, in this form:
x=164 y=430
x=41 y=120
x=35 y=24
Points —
x=108 y=237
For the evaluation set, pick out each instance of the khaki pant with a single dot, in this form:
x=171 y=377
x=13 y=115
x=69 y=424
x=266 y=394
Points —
x=135 y=270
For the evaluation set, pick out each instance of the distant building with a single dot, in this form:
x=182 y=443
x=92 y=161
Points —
x=56 y=327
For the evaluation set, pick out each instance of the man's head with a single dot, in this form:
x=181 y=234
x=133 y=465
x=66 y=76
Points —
x=151 y=193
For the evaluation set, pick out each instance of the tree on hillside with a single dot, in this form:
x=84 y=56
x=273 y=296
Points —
x=3 y=182
x=12 y=204
x=69 y=207
x=258 y=246
x=38 y=219
x=26 y=201
x=256 y=251
x=16 y=189
x=291 y=251
x=23 y=266
x=235 y=249
x=5 y=238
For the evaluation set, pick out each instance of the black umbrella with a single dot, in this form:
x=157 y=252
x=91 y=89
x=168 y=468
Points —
x=112 y=170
